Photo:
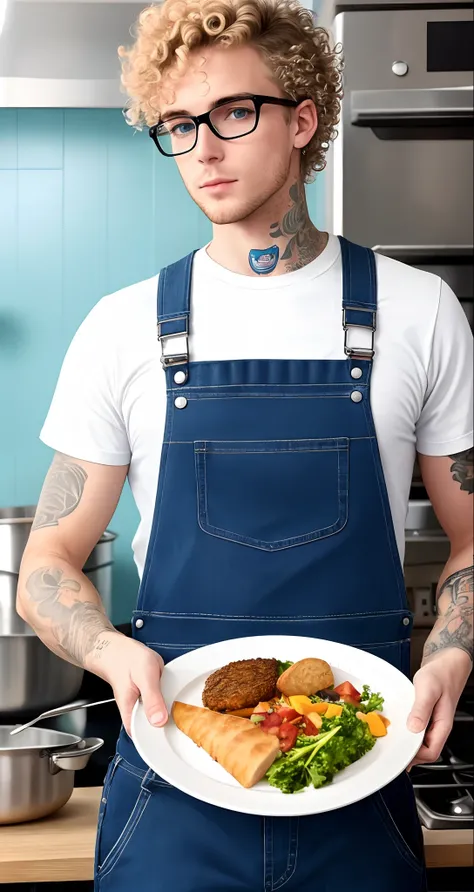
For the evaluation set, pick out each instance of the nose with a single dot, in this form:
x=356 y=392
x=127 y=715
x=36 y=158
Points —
x=208 y=147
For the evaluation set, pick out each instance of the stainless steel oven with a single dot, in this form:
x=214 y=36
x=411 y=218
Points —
x=400 y=180
x=400 y=174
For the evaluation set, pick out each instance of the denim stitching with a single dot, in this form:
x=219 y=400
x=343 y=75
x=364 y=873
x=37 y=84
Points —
x=279 y=544
x=276 y=384
x=341 y=443
x=268 y=852
x=265 y=396
x=314 y=536
x=292 y=856
x=126 y=834
x=188 y=442
x=395 y=835
x=142 y=775
x=163 y=471
x=276 y=616
x=362 y=644
x=160 y=487
x=388 y=519
x=267 y=451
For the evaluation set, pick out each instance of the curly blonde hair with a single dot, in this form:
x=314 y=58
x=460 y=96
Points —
x=298 y=53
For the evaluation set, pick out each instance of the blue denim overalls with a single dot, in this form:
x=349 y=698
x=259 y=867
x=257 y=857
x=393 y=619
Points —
x=271 y=517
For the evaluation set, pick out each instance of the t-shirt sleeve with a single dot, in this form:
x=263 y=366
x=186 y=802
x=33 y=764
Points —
x=445 y=425
x=84 y=419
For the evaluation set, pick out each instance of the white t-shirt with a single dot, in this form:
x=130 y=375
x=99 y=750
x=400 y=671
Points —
x=110 y=400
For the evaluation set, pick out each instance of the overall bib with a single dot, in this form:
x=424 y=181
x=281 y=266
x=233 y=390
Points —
x=271 y=517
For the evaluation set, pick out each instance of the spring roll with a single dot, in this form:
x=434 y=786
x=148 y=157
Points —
x=243 y=749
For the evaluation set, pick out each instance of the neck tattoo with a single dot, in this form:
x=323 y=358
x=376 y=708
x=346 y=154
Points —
x=304 y=241
x=264 y=262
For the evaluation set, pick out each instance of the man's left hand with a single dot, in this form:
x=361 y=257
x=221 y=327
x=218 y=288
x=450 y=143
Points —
x=439 y=684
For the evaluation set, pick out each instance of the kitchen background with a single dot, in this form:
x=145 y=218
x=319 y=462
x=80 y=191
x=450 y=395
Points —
x=88 y=206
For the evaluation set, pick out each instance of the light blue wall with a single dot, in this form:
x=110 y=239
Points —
x=87 y=206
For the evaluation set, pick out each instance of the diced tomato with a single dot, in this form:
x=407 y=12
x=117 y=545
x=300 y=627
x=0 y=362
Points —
x=272 y=720
x=275 y=730
x=287 y=714
x=347 y=690
x=287 y=734
x=310 y=729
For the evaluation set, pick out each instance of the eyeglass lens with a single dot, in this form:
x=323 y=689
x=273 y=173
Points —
x=178 y=134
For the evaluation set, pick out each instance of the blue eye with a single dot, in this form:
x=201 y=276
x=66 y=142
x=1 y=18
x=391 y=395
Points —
x=240 y=113
x=183 y=129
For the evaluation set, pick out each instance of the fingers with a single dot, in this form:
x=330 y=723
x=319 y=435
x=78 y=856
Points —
x=126 y=700
x=148 y=682
x=436 y=734
x=435 y=738
x=426 y=697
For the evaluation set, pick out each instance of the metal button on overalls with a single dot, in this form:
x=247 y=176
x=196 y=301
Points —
x=308 y=551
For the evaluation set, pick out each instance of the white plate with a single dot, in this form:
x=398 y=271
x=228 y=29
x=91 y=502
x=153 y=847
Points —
x=175 y=757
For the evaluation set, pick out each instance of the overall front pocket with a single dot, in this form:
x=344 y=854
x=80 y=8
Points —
x=272 y=494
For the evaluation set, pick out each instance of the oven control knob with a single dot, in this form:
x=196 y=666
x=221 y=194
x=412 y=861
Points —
x=400 y=68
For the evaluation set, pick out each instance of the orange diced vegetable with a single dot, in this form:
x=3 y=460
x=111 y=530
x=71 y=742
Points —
x=301 y=703
x=320 y=708
x=376 y=725
x=243 y=713
x=385 y=720
x=315 y=718
x=332 y=710
x=362 y=716
x=263 y=706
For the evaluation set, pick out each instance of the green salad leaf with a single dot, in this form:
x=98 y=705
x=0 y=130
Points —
x=369 y=701
x=315 y=760
x=282 y=666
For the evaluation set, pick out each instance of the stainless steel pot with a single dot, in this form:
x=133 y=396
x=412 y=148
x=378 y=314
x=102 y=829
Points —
x=37 y=771
x=33 y=678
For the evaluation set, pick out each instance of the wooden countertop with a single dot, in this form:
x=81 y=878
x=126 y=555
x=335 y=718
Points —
x=61 y=847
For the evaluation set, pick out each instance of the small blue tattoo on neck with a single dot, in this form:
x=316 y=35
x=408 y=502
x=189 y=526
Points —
x=262 y=262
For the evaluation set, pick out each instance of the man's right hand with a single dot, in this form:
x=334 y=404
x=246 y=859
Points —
x=132 y=670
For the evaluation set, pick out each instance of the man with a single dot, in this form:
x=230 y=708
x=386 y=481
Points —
x=287 y=448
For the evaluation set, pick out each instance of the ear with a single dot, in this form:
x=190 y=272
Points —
x=306 y=122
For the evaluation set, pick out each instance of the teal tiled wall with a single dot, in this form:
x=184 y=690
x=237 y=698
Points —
x=87 y=206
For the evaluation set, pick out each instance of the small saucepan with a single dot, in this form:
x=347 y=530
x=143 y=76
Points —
x=37 y=771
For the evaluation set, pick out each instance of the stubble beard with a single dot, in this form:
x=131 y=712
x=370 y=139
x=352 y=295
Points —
x=235 y=211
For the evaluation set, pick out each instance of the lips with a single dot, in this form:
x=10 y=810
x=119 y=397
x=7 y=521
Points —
x=216 y=183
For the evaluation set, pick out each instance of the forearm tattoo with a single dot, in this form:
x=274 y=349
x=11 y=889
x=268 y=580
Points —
x=77 y=626
x=463 y=469
x=61 y=493
x=453 y=628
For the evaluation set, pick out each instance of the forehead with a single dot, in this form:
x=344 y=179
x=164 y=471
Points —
x=214 y=72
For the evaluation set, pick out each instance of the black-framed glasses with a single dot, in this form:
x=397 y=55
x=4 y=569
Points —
x=230 y=118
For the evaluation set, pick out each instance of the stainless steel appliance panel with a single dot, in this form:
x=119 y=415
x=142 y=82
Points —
x=400 y=191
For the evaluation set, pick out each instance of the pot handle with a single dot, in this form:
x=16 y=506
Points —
x=75 y=757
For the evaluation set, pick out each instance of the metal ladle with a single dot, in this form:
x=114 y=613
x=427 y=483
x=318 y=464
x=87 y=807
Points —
x=60 y=710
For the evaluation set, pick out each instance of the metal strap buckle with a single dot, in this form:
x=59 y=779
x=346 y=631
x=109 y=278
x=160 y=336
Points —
x=171 y=359
x=177 y=359
x=176 y=334
x=362 y=352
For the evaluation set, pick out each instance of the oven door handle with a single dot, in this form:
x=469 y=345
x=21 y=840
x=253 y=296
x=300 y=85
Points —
x=373 y=108
x=421 y=253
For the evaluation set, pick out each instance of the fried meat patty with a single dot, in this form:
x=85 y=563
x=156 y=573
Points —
x=241 y=684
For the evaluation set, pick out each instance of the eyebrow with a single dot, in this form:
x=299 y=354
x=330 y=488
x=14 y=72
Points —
x=178 y=113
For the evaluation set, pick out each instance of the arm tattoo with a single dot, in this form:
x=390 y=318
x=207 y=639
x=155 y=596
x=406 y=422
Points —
x=76 y=626
x=463 y=469
x=453 y=628
x=62 y=492
x=304 y=241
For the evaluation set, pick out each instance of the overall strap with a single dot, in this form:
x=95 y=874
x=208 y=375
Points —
x=359 y=294
x=174 y=297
